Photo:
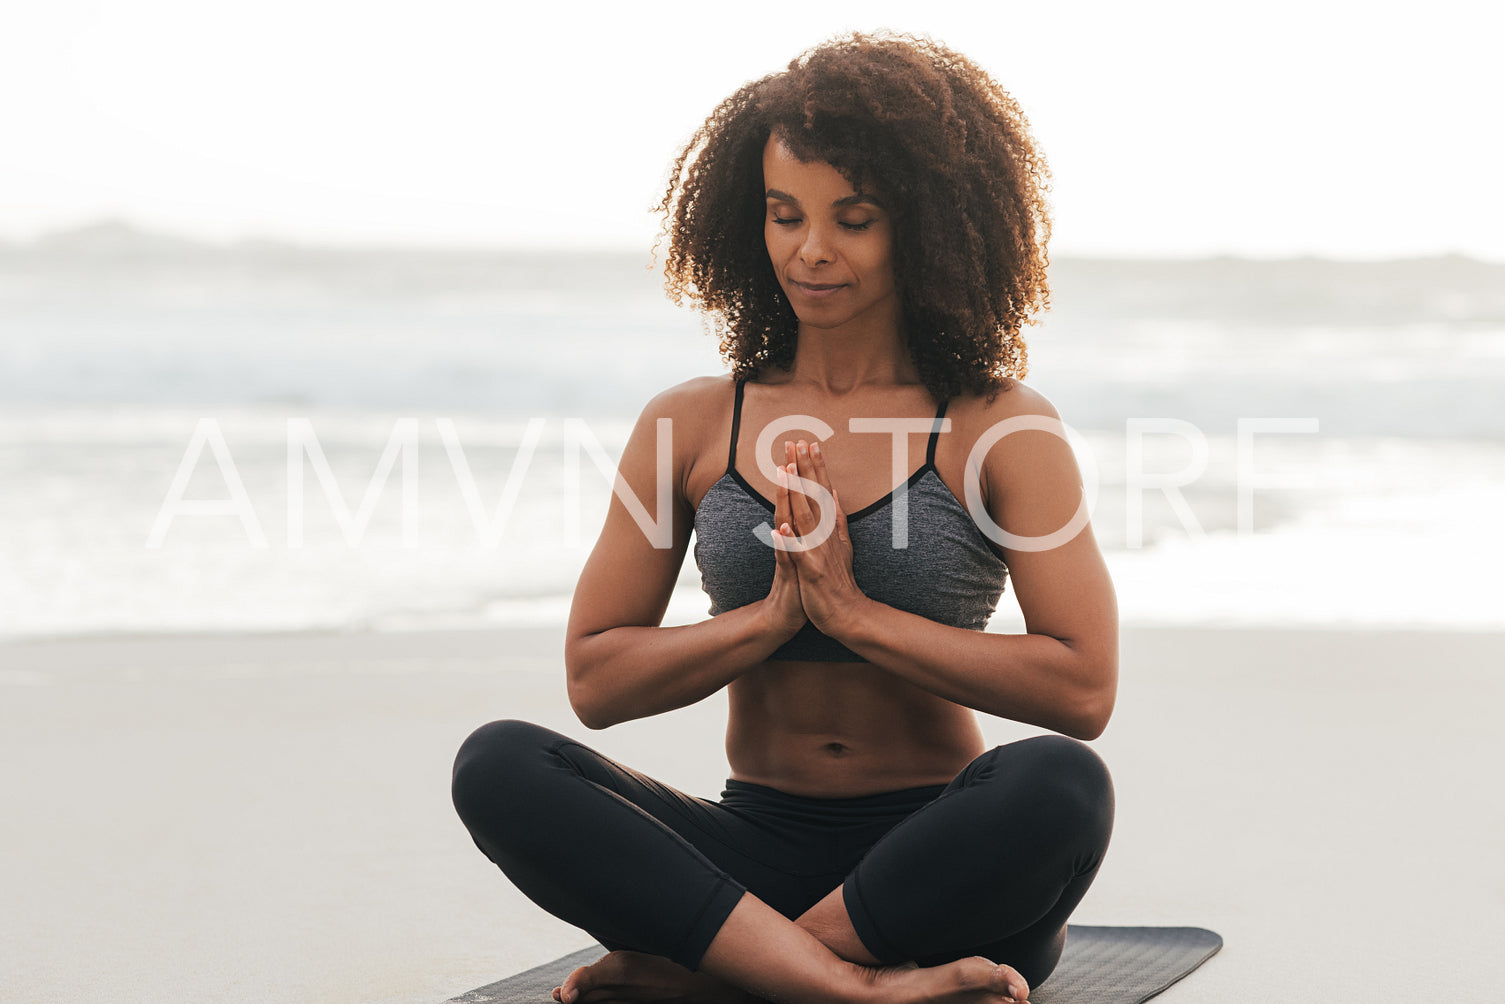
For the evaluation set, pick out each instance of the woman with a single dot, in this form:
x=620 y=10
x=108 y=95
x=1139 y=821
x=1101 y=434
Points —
x=869 y=229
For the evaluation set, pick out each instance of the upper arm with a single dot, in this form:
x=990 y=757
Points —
x=1033 y=490
x=627 y=580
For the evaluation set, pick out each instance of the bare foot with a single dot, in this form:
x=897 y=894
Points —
x=635 y=976
x=965 y=981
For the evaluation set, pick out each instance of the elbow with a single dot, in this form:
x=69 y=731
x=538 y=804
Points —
x=1086 y=726
x=594 y=722
x=588 y=706
x=1090 y=712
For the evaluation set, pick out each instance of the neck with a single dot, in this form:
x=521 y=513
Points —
x=864 y=351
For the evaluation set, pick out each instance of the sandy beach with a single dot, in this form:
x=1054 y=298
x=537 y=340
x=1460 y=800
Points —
x=266 y=817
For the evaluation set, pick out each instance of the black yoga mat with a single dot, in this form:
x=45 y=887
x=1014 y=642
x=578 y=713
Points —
x=1101 y=965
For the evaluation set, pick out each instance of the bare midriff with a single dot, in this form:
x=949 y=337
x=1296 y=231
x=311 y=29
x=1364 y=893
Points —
x=842 y=730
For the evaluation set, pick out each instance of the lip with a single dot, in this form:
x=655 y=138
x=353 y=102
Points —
x=817 y=290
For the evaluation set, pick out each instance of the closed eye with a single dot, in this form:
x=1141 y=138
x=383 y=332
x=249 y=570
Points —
x=858 y=226
x=786 y=220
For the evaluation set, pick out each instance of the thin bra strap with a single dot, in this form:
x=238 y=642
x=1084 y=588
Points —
x=935 y=433
x=731 y=456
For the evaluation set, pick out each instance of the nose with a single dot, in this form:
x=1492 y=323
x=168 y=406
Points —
x=813 y=250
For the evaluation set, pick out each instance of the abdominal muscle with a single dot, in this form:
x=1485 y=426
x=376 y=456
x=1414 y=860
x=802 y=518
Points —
x=842 y=730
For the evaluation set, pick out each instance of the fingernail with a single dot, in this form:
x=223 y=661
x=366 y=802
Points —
x=1015 y=990
x=815 y=448
x=803 y=448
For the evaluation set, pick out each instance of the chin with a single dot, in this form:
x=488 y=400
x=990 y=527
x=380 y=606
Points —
x=822 y=322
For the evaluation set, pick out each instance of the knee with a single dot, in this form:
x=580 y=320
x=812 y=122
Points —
x=1064 y=785
x=1074 y=763
x=491 y=763
x=1079 y=786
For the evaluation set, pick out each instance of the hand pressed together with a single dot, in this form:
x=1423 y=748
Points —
x=819 y=556
x=786 y=613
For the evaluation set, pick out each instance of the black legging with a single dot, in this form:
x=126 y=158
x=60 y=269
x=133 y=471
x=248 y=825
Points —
x=991 y=864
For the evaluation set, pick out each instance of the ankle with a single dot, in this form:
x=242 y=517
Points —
x=859 y=984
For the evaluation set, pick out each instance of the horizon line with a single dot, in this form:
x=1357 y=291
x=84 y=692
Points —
x=117 y=227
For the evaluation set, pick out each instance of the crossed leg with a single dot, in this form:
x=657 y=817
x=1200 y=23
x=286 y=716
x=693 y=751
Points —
x=661 y=884
x=761 y=955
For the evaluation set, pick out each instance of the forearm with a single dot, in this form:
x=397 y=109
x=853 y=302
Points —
x=631 y=672
x=1061 y=684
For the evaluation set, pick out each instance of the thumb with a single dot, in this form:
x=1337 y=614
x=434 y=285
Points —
x=783 y=556
x=780 y=556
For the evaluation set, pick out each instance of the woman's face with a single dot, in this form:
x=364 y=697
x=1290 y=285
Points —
x=832 y=247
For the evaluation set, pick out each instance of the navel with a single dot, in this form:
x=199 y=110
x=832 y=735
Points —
x=837 y=749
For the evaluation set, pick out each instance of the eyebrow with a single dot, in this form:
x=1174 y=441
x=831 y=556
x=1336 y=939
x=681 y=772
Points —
x=851 y=200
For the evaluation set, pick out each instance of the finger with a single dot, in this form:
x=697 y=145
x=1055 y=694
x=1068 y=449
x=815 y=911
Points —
x=820 y=476
x=813 y=468
x=786 y=538
x=781 y=510
x=805 y=461
x=781 y=515
x=802 y=515
x=841 y=518
x=815 y=493
x=818 y=464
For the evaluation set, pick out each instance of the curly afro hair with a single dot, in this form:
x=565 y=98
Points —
x=952 y=155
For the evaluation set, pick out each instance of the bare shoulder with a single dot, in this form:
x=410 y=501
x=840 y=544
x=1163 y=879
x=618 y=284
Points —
x=698 y=412
x=1014 y=439
x=977 y=415
x=696 y=400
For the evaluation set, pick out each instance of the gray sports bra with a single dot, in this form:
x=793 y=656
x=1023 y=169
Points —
x=949 y=573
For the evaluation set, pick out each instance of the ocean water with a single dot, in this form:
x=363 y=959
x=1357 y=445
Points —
x=261 y=437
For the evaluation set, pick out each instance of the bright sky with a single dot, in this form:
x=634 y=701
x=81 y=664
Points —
x=1174 y=128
